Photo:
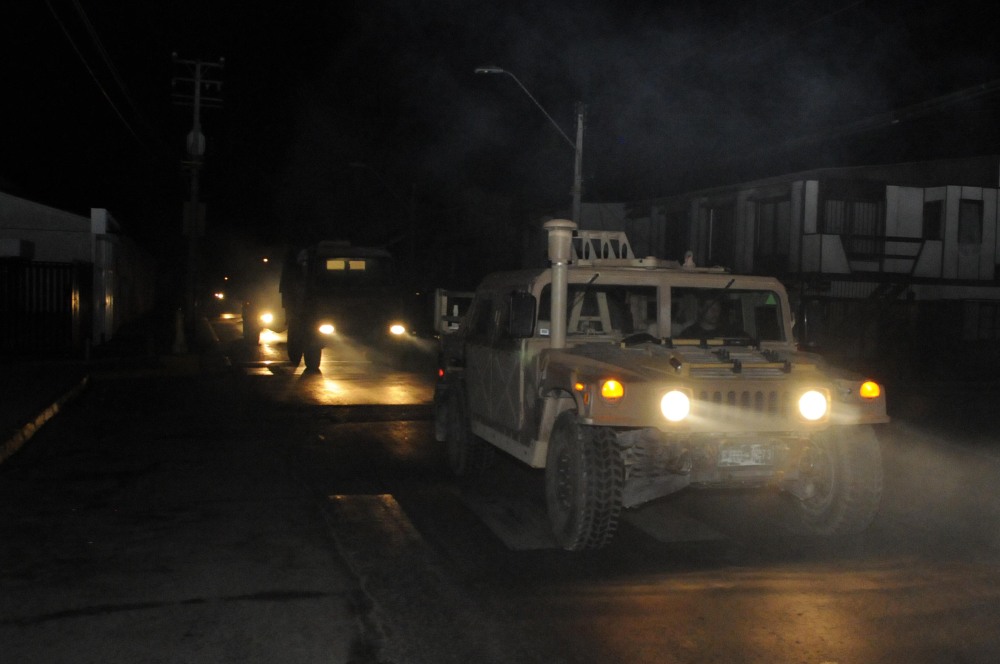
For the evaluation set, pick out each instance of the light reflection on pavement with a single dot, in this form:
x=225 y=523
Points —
x=346 y=377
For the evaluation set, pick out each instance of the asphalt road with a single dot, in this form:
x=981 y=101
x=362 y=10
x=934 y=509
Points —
x=271 y=515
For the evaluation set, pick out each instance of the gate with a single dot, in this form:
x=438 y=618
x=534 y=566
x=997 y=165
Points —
x=45 y=307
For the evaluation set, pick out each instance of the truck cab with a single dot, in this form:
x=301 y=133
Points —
x=338 y=294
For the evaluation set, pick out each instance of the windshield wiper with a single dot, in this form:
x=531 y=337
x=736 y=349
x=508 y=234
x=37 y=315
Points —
x=586 y=289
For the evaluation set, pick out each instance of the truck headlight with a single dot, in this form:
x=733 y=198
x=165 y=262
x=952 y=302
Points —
x=326 y=328
x=267 y=318
x=813 y=405
x=675 y=405
x=397 y=329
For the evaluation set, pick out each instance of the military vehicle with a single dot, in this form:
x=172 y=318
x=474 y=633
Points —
x=628 y=379
x=335 y=293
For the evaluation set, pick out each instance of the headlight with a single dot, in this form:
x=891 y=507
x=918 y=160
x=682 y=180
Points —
x=675 y=405
x=326 y=328
x=267 y=318
x=813 y=405
x=397 y=329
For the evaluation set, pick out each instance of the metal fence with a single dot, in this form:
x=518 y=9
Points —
x=45 y=308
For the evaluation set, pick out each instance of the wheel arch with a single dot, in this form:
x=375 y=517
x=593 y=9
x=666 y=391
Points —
x=555 y=402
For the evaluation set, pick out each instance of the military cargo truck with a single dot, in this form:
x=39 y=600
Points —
x=335 y=293
x=628 y=379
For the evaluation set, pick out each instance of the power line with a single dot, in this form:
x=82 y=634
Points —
x=95 y=38
x=890 y=118
x=97 y=82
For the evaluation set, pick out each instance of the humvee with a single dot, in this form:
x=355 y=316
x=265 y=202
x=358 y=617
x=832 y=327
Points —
x=628 y=379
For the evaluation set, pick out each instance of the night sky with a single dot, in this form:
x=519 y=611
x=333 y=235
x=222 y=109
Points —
x=364 y=120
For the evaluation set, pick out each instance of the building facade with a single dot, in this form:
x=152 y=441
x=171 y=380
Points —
x=884 y=261
x=67 y=282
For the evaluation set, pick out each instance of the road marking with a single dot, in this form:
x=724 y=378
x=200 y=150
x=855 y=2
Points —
x=520 y=524
x=24 y=434
x=422 y=613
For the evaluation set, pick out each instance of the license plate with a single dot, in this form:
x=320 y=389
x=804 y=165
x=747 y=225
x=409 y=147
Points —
x=748 y=454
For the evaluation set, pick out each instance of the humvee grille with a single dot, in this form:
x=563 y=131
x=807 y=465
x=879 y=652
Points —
x=771 y=402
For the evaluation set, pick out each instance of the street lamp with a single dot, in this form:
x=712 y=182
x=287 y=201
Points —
x=577 y=145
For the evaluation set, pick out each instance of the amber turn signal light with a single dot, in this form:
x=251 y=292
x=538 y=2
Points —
x=870 y=390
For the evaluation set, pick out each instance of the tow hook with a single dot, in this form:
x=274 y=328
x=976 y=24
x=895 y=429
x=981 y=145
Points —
x=803 y=486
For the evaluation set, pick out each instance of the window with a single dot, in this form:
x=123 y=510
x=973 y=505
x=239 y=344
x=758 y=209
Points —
x=675 y=235
x=856 y=212
x=970 y=221
x=354 y=271
x=774 y=220
x=719 y=222
x=353 y=264
x=482 y=319
x=982 y=321
x=933 y=220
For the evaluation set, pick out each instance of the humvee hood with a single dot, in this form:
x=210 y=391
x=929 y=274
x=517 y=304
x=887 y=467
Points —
x=652 y=361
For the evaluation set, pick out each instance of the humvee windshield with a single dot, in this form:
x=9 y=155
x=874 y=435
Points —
x=593 y=309
x=696 y=313
x=709 y=313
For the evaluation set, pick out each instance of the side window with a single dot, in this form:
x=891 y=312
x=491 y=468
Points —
x=481 y=322
x=933 y=220
x=970 y=221
x=502 y=318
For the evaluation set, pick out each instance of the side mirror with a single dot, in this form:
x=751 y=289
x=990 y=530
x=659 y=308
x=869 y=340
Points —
x=522 y=314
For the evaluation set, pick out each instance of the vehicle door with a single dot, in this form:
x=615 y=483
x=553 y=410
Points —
x=493 y=369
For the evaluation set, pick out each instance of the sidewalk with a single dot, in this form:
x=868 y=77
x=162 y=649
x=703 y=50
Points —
x=34 y=391
x=162 y=523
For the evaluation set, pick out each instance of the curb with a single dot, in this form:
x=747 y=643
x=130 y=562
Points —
x=15 y=442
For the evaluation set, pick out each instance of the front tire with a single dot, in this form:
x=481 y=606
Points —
x=295 y=344
x=584 y=480
x=844 y=467
x=313 y=355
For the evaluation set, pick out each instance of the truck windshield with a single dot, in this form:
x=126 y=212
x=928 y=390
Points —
x=355 y=271
x=709 y=313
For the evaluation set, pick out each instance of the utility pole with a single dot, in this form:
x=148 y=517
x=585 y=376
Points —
x=200 y=86
x=581 y=111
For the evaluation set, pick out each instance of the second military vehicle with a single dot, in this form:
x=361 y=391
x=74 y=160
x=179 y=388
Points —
x=335 y=293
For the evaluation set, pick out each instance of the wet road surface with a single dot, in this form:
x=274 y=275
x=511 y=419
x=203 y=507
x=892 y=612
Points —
x=274 y=515
x=700 y=576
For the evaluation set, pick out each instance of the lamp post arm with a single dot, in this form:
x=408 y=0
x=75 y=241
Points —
x=576 y=145
x=542 y=109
